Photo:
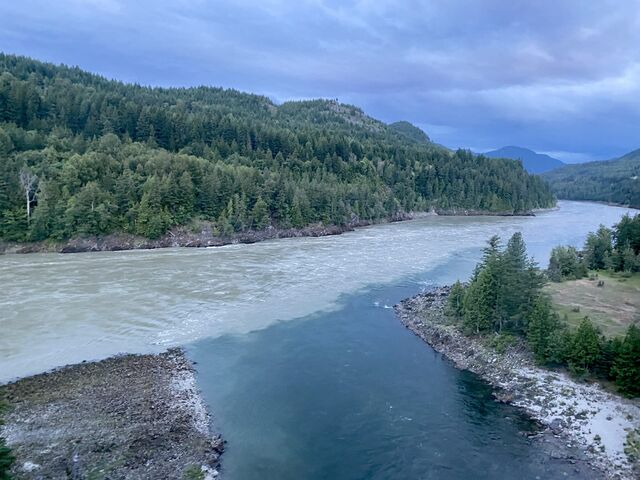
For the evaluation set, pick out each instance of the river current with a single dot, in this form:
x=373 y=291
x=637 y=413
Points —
x=307 y=371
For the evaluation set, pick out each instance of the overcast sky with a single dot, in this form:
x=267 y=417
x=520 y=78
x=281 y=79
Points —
x=561 y=76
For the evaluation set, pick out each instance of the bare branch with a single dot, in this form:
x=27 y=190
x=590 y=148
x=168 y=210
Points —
x=28 y=181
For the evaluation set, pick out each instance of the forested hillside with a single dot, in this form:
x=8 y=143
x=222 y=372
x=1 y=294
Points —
x=613 y=181
x=410 y=131
x=80 y=155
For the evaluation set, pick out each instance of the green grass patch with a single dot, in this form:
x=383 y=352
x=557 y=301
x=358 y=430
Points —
x=611 y=301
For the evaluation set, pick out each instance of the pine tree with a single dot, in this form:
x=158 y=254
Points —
x=295 y=215
x=626 y=367
x=629 y=259
x=515 y=282
x=89 y=211
x=455 y=302
x=609 y=351
x=224 y=225
x=627 y=231
x=260 y=214
x=152 y=219
x=597 y=247
x=565 y=264
x=479 y=304
x=585 y=347
x=541 y=327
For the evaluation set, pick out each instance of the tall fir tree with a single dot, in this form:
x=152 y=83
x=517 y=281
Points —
x=626 y=367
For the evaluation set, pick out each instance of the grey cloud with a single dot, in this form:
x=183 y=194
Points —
x=556 y=76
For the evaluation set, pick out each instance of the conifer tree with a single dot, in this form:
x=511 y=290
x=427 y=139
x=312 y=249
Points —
x=626 y=367
x=565 y=264
x=455 y=301
x=598 y=247
x=541 y=327
x=584 y=350
x=479 y=303
x=260 y=214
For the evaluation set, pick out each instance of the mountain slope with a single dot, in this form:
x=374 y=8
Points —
x=533 y=162
x=410 y=131
x=612 y=181
x=114 y=157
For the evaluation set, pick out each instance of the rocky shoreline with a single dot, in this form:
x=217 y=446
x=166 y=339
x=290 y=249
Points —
x=576 y=414
x=126 y=417
x=205 y=235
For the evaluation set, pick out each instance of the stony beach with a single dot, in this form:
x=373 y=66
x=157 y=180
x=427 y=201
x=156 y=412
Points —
x=575 y=413
x=205 y=234
x=126 y=417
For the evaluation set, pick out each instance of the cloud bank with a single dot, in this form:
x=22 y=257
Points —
x=560 y=76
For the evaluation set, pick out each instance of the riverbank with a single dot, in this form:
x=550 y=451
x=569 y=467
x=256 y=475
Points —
x=131 y=416
x=580 y=414
x=204 y=234
x=602 y=202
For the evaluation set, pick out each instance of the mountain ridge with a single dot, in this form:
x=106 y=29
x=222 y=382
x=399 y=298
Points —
x=532 y=161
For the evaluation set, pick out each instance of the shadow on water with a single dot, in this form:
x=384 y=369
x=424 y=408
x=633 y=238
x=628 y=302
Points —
x=352 y=394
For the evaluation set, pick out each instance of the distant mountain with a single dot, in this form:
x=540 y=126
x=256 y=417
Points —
x=612 y=181
x=410 y=131
x=533 y=162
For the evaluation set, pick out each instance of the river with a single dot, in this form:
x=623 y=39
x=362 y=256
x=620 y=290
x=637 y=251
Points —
x=307 y=371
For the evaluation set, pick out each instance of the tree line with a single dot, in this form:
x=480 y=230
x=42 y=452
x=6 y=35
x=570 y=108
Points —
x=616 y=249
x=612 y=181
x=505 y=296
x=83 y=155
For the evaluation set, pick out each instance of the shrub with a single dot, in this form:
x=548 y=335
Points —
x=6 y=459
x=502 y=341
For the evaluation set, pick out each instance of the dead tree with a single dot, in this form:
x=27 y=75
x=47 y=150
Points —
x=28 y=181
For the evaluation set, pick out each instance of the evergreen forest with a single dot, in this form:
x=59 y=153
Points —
x=83 y=155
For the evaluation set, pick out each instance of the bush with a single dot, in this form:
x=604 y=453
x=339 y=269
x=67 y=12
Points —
x=6 y=459
x=193 y=473
x=566 y=264
x=502 y=341
x=632 y=445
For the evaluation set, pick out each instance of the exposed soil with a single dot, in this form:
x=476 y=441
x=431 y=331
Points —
x=127 y=417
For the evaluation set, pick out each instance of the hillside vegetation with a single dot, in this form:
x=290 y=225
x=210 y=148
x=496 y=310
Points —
x=83 y=155
x=606 y=303
x=506 y=298
x=613 y=181
x=410 y=131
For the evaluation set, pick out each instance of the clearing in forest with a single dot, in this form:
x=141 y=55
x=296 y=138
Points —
x=612 y=306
